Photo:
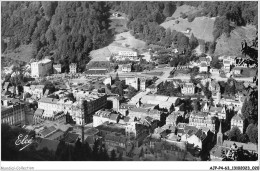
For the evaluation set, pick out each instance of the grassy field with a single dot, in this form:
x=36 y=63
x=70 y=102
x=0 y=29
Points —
x=201 y=27
x=23 y=53
x=126 y=40
x=232 y=45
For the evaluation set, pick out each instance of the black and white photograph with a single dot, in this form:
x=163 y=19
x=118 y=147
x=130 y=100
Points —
x=115 y=85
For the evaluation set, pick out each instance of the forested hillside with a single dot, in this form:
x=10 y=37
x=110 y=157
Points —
x=68 y=29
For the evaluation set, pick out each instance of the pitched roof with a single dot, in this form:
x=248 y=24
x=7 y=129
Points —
x=237 y=118
x=114 y=117
x=90 y=139
x=192 y=129
x=51 y=145
x=215 y=109
x=48 y=100
x=71 y=137
x=55 y=135
x=48 y=130
x=115 y=138
x=200 y=134
x=203 y=65
x=38 y=112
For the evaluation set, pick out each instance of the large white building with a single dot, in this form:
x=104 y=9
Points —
x=188 y=88
x=92 y=102
x=132 y=81
x=41 y=68
x=130 y=55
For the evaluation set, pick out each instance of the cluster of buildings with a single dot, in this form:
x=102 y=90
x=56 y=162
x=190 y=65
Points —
x=147 y=127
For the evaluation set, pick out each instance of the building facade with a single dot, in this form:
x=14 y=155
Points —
x=238 y=122
x=132 y=81
x=88 y=105
x=73 y=68
x=202 y=119
x=57 y=68
x=188 y=88
x=13 y=114
x=41 y=68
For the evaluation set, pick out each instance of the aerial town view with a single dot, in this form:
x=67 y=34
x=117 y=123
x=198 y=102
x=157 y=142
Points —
x=129 y=81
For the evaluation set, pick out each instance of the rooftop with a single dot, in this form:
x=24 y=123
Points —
x=237 y=118
x=71 y=137
x=55 y=135
x=48 y=130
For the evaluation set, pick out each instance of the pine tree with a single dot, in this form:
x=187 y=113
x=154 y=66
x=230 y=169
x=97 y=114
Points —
x=193 y=41
x=113 y=155
x=117 y=77
x=167 y=9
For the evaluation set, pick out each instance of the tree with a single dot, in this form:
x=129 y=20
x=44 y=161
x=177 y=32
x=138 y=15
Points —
x=196 y=105
x=249 y=111
x=193 y=41
x=50 y=86
x=167 y=9
x=117 y=77
x=108 y=86
x=234 y=134
x=113 y=155
x=216 y=63
x=252 y=133
x=131 y=92
x=178 y=102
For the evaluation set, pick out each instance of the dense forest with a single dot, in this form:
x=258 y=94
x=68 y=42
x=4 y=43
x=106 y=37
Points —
x=70 y=30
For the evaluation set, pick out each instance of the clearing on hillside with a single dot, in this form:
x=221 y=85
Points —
x=201 y=27
x=22 y=53
x=232 y=45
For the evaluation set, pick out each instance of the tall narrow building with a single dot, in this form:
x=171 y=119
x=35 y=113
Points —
x=220 y=136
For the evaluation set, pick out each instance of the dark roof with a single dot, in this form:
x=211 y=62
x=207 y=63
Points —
x=190 y=128
x=55 y=135
x=111 y=128
x=116 y=138
x=200 y=134
x=91 y=131
x=71 y=137
x=149 y=119
x=90 y=140
x=49 y=144
x=48 y=130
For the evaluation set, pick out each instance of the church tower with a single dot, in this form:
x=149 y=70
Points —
x=220 y=136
